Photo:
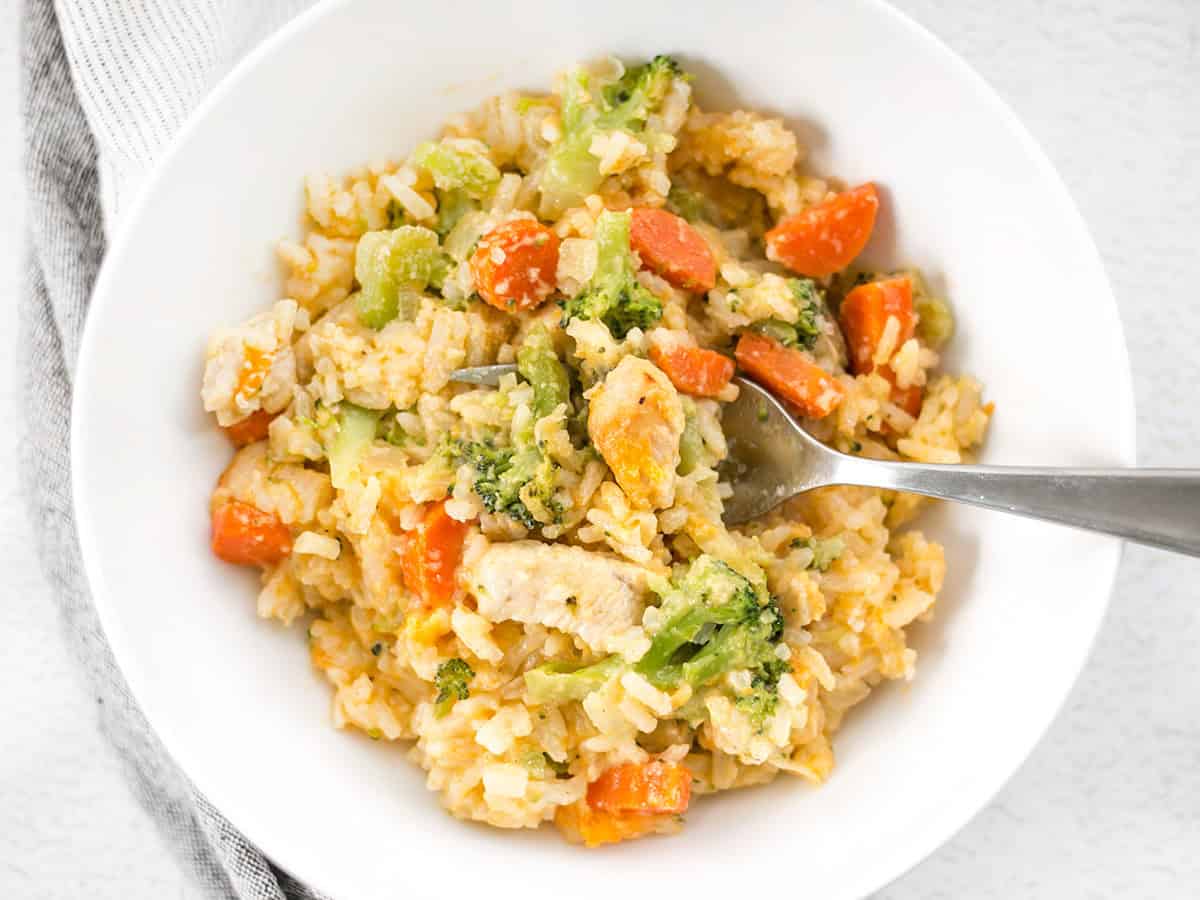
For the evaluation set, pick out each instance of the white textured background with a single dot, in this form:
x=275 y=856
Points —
x=1109 y=803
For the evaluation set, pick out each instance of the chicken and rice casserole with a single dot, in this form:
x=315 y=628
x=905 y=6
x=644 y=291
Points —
x=529 y=587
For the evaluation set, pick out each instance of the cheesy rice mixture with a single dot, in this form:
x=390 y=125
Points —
x=529 y=588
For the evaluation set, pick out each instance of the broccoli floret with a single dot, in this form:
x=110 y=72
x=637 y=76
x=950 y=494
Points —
x=825 y=551
x=456 y=168
x=749 y=644
x=539 y=495
x=393 y=268
x=452 y=679
x=759 y=705
x=714 y=620
x=500 y=473
x=614 y=295
x=519 y=480
x=554 y=683
x=629 y=101
x=508 y=481
x=811 y=302
x=572 y=172
x=539 y=365
x=802 y=333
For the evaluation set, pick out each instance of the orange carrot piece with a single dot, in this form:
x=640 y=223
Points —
x=251 y=429
x=651 y=788
x=694 y=370
x=515 y=265
x=672 y=248
x=789 y=373
x=431 y=554
x=825 y=238
x=246 y=536
x=594 y=827
x=864 y=316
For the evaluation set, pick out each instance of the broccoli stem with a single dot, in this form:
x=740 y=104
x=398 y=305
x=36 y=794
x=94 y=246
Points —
x=691 y=444
x=539 y=365
x=553 y=683
x=455 y=169
x=683 y=629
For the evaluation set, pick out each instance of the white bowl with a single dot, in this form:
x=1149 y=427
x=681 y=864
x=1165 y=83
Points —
x=969 y=198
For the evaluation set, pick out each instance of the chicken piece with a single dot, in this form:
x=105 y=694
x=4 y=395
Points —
x=594 y=597
x=635 y=421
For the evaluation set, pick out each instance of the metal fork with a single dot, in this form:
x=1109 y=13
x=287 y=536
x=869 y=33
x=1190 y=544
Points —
x=771 y=458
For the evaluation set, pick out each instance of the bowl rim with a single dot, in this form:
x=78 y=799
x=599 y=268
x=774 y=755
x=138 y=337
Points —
x=228 y=803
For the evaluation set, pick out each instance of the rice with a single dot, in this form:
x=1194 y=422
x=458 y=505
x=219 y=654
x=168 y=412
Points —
x=579 y=508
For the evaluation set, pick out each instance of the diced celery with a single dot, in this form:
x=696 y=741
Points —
x=465 y=234
x=571 y=174
x=393 y=268
x=453 y=168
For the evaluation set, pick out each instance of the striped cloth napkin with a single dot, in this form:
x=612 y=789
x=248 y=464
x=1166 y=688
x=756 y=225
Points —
x=105 y=85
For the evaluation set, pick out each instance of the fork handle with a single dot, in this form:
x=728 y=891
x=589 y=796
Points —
x=1159 y=507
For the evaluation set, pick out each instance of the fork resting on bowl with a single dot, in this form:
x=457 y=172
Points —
x=772 y=458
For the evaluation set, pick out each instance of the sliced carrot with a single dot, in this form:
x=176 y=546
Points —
x=864 y=316
x=515 y=265
x=431 y=554
x=694 y=370
x=251 y=429
x=650 y=788
x=672 y=248
x=789 y=373
x=825 y=238
x=594 y=827
x=247 y=536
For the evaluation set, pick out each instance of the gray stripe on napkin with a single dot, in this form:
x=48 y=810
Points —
x=65 y=246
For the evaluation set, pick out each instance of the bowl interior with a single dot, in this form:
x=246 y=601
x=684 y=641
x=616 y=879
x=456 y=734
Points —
x=969 y=198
